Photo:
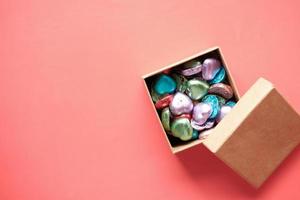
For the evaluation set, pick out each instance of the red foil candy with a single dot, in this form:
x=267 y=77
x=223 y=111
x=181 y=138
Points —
x=185 y=115
x=167 y=71
x=164 y=102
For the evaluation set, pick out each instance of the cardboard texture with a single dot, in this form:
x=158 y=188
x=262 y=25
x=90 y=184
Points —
x=211 y=52
x=258 y=134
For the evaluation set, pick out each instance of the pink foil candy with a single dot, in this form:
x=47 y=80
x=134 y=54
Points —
x=210 y=68
x=201 y=112
x=198 y=127
x=180 y=104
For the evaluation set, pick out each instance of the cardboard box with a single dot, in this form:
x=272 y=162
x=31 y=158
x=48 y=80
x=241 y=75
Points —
x=256 y=136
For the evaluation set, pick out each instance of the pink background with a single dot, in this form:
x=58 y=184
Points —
x=75 y=120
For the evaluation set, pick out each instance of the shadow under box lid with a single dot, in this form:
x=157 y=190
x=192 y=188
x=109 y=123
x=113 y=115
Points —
x=257 y=135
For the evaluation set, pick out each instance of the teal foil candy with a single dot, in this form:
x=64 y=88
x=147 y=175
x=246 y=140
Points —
x=155 y=97
x=195 y=134
x=219 y=77
x=215 y=104
x=165 y=118
x=164 y=85
x=230 y=103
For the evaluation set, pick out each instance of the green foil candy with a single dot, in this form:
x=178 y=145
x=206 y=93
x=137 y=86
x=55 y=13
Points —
x=181 y=82
x=181 y=128
x=222 y=100
x=165 y=118
x=196 y=89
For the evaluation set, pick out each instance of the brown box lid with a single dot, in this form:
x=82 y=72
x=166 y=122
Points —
x=257 y=135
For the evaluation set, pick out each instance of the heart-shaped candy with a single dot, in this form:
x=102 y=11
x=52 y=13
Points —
x=180 y=104
x=210 y=68
x=196 y=89
x=164 y=85
x=201 y=112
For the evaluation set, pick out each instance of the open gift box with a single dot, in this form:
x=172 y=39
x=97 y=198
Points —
x=256 y=136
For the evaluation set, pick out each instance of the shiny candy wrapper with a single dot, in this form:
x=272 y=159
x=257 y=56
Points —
x=192 y=99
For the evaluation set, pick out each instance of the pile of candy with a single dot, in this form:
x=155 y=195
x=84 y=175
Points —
x=192 y=98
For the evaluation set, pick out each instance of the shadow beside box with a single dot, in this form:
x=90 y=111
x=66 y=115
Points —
x=255 y=137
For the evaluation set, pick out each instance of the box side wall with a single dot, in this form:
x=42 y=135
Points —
x=212 y=52
x=226 y=128
x=179 y=62
x=263 y=140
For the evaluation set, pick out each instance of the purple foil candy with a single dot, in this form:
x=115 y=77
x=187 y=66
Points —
x=210 y=68
x=223 y=111
x=209 y=124
x=180 y=104
x=199 y=127
x=201 y=112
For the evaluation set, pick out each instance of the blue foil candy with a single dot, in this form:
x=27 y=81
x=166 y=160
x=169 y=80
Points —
x=219 y=77
x=214 y=102
x=164 y=85
x=230 y=103
x=195 y=134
